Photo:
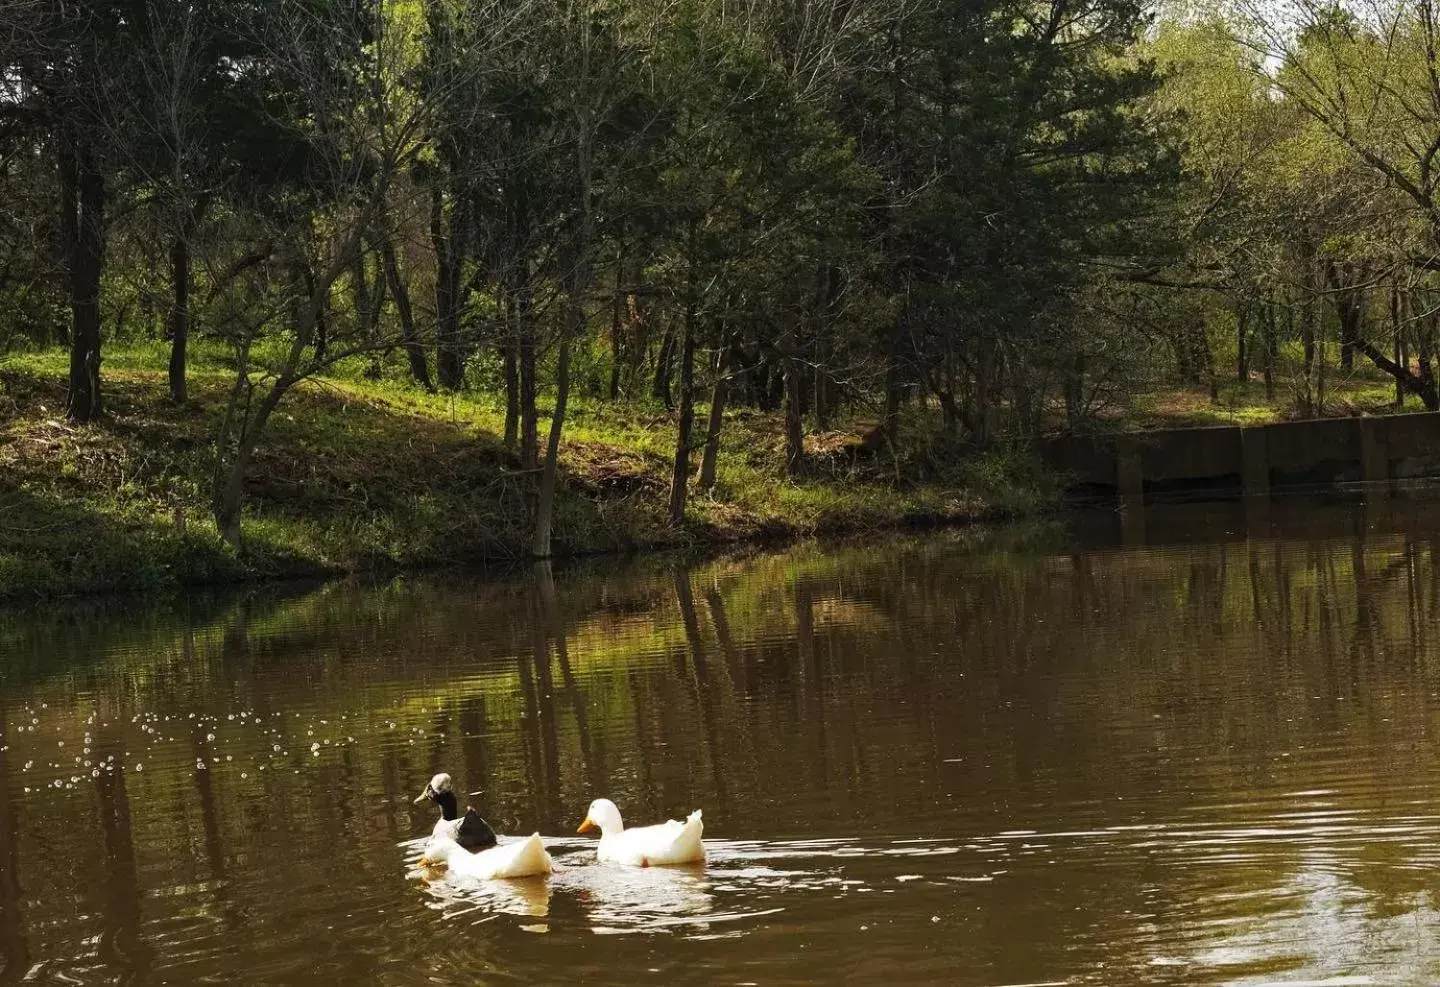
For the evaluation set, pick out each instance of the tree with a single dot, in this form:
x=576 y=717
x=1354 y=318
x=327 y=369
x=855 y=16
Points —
x=68 y=65
x=363 y=128
x=1017 y=163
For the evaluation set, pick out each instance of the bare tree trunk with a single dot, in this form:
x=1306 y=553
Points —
x=419 y=366
x=794 y=423
x=82 y=221
x=1402 y=359
x=365 y=311
x=1349 y=310
x=545 y=505
x=616 y=346
x=823 y=396
x=178 y=320
x=512 y=378
x=1307 y=336
x=638 y=328
x=1242 y=349
x=1074 y=391
x=680 y=474
x=822 y=399
x=242 y=426
x=228 y=499
x=894 y=385
x=949 y=411
x=1272 y=348
x=449 y=258
x=322 y=313
x=1425 y=352
x=529 y=418
x=368 y=305
x=1210 y=373
x=660 y=386
x=983 y=419
x=574 y=321
x=718 y=395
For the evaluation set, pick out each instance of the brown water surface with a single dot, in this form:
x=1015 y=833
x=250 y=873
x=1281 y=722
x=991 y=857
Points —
x=1195 y=747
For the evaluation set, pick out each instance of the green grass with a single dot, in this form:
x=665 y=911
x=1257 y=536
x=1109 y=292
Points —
x=1363 y=390
x=360 y=475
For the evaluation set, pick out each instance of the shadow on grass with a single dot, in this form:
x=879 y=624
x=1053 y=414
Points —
x=340 y=483
x=53 y=544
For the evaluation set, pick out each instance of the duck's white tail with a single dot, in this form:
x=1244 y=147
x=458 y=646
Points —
x=530 y=859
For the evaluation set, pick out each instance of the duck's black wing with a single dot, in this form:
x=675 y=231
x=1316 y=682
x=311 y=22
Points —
x=475 y=833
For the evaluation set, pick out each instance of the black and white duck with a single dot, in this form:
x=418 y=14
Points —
x=467 y=847
x=469 y=831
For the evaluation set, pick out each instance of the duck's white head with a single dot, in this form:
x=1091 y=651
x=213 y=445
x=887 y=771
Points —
x=604 y=815
x=439 y=785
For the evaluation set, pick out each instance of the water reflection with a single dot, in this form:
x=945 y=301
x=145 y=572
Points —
x=983 y=757
x=120 y=945
x=14 y=950
x=636 y=899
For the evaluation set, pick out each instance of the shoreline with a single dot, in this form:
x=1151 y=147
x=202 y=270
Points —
x=359 y=478
x=318 y=576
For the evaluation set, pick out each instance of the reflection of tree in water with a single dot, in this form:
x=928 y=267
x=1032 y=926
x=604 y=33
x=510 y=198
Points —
x=14 y=950
x=473 y=742
x=121 y=945
x=548 y=739
x=702 y=686
x=864 y=692
x=205 y=792
x=555 y=624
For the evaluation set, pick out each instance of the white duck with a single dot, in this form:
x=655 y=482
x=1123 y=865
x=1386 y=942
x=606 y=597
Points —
x=671 y=842
x=517 y=858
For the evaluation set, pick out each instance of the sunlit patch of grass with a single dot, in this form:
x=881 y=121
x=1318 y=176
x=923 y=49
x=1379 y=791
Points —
x=1362 y=390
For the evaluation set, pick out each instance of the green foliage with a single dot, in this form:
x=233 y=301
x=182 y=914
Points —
x=835 y=210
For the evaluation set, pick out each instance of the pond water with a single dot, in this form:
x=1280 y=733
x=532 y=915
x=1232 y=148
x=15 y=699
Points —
x=1195 y=745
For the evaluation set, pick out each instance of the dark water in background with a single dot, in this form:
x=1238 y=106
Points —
x=1021 y=756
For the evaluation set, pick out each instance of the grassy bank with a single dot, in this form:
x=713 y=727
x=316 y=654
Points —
x=1362 y=389
x=356 y=475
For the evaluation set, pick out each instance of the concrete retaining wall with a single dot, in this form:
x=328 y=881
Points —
x=1249 y=461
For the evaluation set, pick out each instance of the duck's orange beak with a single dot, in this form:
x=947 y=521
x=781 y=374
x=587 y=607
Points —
x=586 y=826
